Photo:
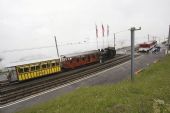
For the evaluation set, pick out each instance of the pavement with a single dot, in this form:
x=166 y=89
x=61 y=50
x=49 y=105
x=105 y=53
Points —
x=109 y=76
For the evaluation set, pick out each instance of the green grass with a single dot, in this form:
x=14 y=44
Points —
x=144 y=95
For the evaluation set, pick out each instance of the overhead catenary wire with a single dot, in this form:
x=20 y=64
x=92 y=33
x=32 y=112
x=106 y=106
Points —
x=45 y=47
x=25 y=49
x=61 y=44
x=117 y=33
x=42 y=47
x=121 y=31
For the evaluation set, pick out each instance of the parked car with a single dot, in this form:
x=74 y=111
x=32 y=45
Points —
x=156 y=49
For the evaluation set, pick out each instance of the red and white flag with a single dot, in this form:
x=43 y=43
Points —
x=103 y=30
x=107 y=30
x=96 y=32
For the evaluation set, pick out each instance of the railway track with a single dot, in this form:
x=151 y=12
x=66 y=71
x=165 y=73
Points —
x=15 y=92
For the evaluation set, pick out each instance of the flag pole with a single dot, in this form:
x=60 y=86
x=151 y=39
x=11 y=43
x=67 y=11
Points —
x=97 y=37
x=103 y=34
x=108 y=34
x=56 y=46
x=107 y=41
x=97 y=43
x=103 y=42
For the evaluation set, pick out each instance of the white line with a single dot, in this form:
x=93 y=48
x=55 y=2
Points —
x=65 y=85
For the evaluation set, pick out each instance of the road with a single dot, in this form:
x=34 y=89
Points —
x=109 y=76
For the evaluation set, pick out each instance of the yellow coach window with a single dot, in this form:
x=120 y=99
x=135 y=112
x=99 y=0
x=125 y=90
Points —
x=57 y=63
x=20 y=70
x=48 y=65
x=32 y=68
x=37 y=67
x=44 y=66
x=26 y=69
x=53 y=64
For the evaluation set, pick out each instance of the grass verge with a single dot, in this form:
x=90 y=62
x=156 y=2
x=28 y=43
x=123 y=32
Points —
x=149 y=93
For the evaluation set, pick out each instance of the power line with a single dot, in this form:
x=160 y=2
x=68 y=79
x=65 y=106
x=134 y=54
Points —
x=43 y=47
x=121 y=31
x=52 y=46
x=25 y=49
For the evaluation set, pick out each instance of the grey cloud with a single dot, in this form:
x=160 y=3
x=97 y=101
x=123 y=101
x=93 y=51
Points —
x=32 y=23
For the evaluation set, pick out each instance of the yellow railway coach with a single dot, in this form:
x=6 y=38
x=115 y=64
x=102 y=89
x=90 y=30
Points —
x=34 y=70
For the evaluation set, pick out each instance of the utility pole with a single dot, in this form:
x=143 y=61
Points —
x=108 y=41
x=56 y=46
x=97 y=43
x=133 y=29
x=97 y=36
x=103 y=43
x=168 y=41
x=114 y=40
x=108 y=34
x=169 y=38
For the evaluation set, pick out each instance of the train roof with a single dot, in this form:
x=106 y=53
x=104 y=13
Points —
x=150 y=42
x=19 y=63
x=79 y=54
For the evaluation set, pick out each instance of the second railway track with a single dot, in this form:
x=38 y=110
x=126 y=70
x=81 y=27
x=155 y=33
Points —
x=18 y=91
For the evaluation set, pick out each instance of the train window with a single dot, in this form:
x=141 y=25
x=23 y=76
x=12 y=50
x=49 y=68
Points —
x=26 y=69
x=77 y=60
x=83 y=59
x=48 y=65
x=37 y=67
x=44 y=66
x=88 y=58
x=20 y=70
x=53 y=64
x=32 y=68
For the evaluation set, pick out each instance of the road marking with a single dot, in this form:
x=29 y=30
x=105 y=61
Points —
x=65 y=85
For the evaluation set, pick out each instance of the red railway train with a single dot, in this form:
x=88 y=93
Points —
x=72 y=61
x=76 y=60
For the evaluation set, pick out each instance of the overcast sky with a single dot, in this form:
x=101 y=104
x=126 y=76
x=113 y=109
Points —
x=32 y=23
